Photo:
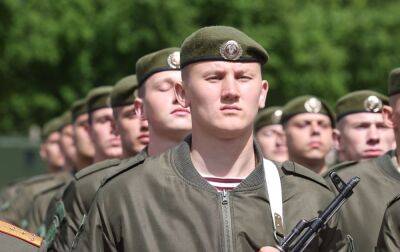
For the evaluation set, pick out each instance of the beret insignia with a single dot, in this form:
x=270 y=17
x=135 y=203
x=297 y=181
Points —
x=313 y=105
x=231 y=50
x=276 y=116
x=174 y=60
x=372 y=104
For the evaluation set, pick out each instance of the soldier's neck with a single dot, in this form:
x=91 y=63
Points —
x=159 y=142
x=216 y=156
x=83 y=161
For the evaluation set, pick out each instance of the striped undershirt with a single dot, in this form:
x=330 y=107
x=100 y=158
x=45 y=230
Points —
x=223 y=184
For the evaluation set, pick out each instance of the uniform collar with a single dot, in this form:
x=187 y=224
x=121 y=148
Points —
x=386 y=164
x=184 y=166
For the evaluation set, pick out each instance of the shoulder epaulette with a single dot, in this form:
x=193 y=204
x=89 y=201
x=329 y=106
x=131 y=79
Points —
x=51 y=188
x=97 y=167
x=38 y=179
x=127 y=164
x=304 y=172
x=21 y=234
x=344 y=165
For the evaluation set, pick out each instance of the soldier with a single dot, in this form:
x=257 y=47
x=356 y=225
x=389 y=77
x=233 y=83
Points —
x=380 y=181
x=102 y=130
x=132 y=128
x=208 y=193
x=17 y=207
x=389 y=235
x=308 y=123
x=41 y=201
x=270 y=135
x=67 y=144
x=156 y=80
x=360 y=130
x=83 y=143
x=15 y=239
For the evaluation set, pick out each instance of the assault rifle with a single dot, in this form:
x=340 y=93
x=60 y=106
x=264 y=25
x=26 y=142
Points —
x=305 y=231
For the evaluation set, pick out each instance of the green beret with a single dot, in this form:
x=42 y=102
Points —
x=50 y=127
x=360 y=101
x=268 y=116
x=394 y=81
x=164 y=60
x=65 y=119
x=78 y=108
x=98 y=98
x=221 y=43
x=306 y=104
x=123 y=92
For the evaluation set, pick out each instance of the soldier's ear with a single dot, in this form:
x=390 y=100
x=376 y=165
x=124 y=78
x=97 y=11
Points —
x=263 y=94
x=180 y=95
x=336 y=139
x=388 y=116
x=138 y=104
x=42 y=152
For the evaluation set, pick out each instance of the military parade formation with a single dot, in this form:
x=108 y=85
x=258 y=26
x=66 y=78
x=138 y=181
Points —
x=185 y=154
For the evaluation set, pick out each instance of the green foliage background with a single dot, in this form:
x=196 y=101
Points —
x=53 y=52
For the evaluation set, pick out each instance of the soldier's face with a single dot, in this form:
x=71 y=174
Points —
x=165 y=115
x=67 y=144
x=224 y=97
x=309 y=136
x=52 y=151
x=363 y=136
x=272 y=140
x=83 y=142
x=107 y=142
x=132 y=128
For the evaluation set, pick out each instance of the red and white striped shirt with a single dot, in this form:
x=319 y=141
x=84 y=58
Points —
x=223 y=184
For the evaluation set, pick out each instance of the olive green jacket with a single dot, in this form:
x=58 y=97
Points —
x=363 y=212
x=18 y=207
x=41 y=202
x=163 y=204
x=76 y=201
x=389 y=236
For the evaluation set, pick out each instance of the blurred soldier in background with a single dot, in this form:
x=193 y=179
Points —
x=308 y=123
x=360 y=130
x=270 y=135
x=17 y=207
x=67 y=143
x=83 y=142
x=132 y=128
x=380 y=180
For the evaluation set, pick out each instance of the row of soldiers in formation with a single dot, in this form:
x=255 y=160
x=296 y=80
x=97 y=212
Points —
x=172 y=159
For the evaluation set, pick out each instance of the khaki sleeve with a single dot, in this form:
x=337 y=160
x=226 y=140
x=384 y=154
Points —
x=389 y=235
x=96 y=232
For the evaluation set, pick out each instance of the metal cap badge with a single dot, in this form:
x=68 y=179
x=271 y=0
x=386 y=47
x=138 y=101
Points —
x=373 y=104
x=276 y=116
x=231 y=50
x=313 y=105
x=174 y=60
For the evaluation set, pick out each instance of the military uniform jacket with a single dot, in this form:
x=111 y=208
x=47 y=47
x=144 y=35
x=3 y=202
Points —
x=389 y=236
x=14 y=239
x=363 y=212
x=18 y=207
x=37 y=214
x=163 y=204
x=77 y=199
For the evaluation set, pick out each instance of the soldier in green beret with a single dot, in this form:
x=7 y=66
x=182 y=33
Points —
x=83 y=142
x=18 y=207
x=360 y=130
x=380 y=180
x=208 y=193
x=270 y=135
x=67 y=144
x=308 y=123
x=132 y=128
x=389 y=235
x=102 y=130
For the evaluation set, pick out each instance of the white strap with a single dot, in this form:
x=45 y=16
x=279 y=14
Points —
x=274 y=192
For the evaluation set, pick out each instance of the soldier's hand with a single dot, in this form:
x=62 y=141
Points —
x=268 y=249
